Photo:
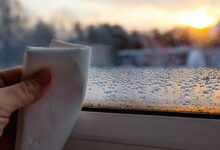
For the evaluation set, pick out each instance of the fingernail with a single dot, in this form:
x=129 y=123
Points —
x=43 y=77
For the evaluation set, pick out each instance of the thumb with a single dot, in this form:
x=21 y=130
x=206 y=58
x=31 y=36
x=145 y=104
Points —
x=27 y=91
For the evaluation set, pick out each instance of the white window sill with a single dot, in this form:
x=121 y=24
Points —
x=129 y=131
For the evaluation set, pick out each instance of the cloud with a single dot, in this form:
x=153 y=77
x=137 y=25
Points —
x=164 y=4
x=132 y=14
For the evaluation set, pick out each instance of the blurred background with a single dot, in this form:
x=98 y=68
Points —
x=143 y=33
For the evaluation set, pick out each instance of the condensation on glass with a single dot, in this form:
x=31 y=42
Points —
x=175 y=90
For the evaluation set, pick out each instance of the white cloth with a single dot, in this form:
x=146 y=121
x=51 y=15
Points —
x=47 y=124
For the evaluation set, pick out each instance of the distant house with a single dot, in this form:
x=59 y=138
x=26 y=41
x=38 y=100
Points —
x=214 y=58
x=102 y=55
x=196 y=59
x=166 y=57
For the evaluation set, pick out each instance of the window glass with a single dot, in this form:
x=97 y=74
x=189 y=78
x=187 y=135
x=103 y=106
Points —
x=155 y=89
x=147 y=54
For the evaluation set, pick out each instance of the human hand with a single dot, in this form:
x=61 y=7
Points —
x=16 y=93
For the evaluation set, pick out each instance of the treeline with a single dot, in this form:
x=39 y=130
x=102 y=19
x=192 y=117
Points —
x=116 y=36
x=15 y=34
x=113 y=35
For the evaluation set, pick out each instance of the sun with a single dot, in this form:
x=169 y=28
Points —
x=199 y=18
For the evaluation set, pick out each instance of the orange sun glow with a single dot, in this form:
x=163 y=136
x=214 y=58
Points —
x=198 y=19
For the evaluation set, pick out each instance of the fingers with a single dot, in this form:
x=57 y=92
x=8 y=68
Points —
x=10 y=76
x=26 y=92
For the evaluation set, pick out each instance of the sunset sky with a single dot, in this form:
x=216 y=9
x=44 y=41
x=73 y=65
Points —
x=141 y=15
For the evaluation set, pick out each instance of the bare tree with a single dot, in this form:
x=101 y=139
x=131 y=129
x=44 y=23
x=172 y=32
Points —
x=11 y=32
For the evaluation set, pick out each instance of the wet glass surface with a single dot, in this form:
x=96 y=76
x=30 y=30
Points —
x=157 y=89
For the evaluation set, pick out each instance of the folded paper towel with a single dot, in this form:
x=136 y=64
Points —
x=47 y=124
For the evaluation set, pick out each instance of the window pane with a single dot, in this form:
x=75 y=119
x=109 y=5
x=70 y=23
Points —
x=173 y=90
x=147 y=54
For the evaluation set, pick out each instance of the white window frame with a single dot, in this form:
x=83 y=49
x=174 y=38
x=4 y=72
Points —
x=134 y=131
